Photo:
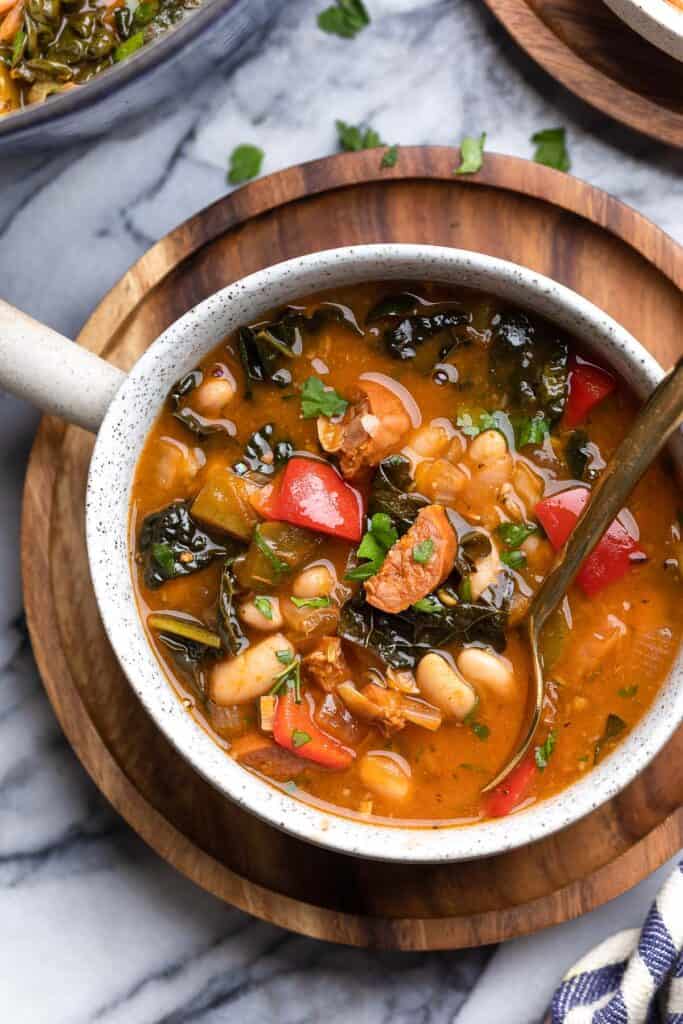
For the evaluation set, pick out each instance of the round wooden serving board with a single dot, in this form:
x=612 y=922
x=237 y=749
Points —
x=597 y=56
x=513 y=209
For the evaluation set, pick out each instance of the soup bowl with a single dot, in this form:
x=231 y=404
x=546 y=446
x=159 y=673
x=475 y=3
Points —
x=658 y=21
x=63 y=379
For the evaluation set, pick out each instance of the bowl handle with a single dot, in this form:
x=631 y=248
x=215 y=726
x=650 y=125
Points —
x=57 y=375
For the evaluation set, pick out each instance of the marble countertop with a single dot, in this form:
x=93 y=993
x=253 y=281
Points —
x=94 y=926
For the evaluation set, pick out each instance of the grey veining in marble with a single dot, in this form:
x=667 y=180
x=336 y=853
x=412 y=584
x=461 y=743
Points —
x=93 y=926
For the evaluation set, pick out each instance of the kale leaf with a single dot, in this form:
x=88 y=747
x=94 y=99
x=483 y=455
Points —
x=263 y=454
x=392 y=492
x=188 y=417
x=228 y=624
x=530 y=365
x=418 y=321
x=173 y=545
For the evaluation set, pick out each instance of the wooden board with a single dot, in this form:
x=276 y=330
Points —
x=513 y=209
x=596 y=55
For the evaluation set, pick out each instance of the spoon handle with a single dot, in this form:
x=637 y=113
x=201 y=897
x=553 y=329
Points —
x=654 y=425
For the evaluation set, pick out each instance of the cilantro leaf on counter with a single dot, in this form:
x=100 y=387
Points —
x=471 y=154
x=551 y=148
x=345 y=18
x=355 y=137
x=245 y=163
x=390 y=158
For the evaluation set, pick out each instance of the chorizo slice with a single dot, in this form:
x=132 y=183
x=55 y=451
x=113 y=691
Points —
x=263 y=755
x=373 y=426
x=416 y=564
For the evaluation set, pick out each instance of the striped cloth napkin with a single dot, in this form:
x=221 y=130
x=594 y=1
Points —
x=636 y=977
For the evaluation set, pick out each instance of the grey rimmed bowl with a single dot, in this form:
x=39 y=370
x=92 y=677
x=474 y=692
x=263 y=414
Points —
x=64 y=379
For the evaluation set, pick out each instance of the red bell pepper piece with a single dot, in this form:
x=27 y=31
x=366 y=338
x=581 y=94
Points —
x=512 y=790
x=312 y=494
x=588 y=385
x=609 y=560
x=295 y=730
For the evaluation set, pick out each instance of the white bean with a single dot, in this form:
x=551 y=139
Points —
x=250 y=674
x=317 y=581
x=387 y=775
x=257 y=618
x=488 y=670
x=441 y=685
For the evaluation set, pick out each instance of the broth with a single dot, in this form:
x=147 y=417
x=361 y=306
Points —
x=351 y=706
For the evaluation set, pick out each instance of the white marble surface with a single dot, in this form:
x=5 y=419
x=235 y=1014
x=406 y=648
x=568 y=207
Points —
x=93 y=926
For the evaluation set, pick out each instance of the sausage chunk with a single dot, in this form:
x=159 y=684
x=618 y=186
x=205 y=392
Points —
x=325 y=665
x=262 y=754
x=374 y=425
x=416 y=564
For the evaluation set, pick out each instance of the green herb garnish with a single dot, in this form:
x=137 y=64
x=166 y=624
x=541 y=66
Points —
x=18 y=44
x=513 y=535
x=472 y=426
x=311 y=602
x=481 y=731
x=317 y=400
x=355 y=137
x=345 y=18
x=245 y=163
x=543 y=753
x=465 y=589
x=390 y=158
x=374 y=546
x=423 y=551
x=628 y=691
x=471 y=154
x=279 y=565
x=513 y=559
x=124 y=50
x=300 y=738
x=284 y=657
x=146 y=12
x=164 y=557
x=551 y=148
x=290 y=786
x=530 y=430
x=428 y=605
x=264 y=606
x=614 y=726
x=288 y=679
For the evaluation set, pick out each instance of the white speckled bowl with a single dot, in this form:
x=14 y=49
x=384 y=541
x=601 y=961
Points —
x=658 y=21
x=124 y=428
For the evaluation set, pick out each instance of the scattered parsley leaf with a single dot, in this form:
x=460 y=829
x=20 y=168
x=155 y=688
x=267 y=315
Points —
x=279 y=565
x=481 y=731
x=290 y=786
x=288 y=679
x=551 y=149
x=514 y=534
x=614 y=726
x=284 y=657
x=423 y=551
x=374 y=547
x=472 y=425
x=317 y=400
x=265 y=607
x=164 y=557
x=124 y=50
x=18 y=47
x=543 y=753
x=628 y=691
x=513 y=559
x=311 y=602
x=300 y=738
x=428 y=605
x=355 y=137
x=345 y=18
x=530 y=431
x=390 y=158
x=471 y=154
x=245 y=163
x=465 y=589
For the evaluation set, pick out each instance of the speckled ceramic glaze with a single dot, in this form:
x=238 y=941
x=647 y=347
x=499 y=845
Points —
x=658 y=21
x=123 y=432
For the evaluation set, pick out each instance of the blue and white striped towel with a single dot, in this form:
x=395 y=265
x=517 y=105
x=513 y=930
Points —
x=636 y=977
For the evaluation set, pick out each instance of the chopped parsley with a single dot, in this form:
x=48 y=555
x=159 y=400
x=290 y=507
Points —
x=428 y=605
x=284 y=657
x=551 y=148
x=317 y=400
x=423 y=551
x=245 y=163
x=289 y=679
x=513 y=559
x=628 y=691
x=614 y=726
x=471 y=154
x=374 y=547
x=390 y=158
x=311 y=602
x=472 y=425
x=264 y=606
x=126 y=49
x=18 y=43
x=345 y=18
x=481 y=731
x=164 y=557
x=543 y=753
x=513 y=535
x=530 y=430
x=290 y=786
x=300 y=738
x=355 y=137
x=278 y=564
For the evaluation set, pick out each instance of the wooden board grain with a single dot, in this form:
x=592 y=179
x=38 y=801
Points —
x=514 y=209
x=599 y=58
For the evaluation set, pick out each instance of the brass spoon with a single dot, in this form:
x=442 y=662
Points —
x=654 y=425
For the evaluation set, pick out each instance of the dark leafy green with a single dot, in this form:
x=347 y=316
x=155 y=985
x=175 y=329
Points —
x=173 y=545
x=392 y=493
x=188 y=417
x=530 y=364
x=228 y=624
x=614 y=726
x=263 y=454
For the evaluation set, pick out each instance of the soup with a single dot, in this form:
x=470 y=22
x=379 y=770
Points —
x=338 y=522
x=50 y=46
